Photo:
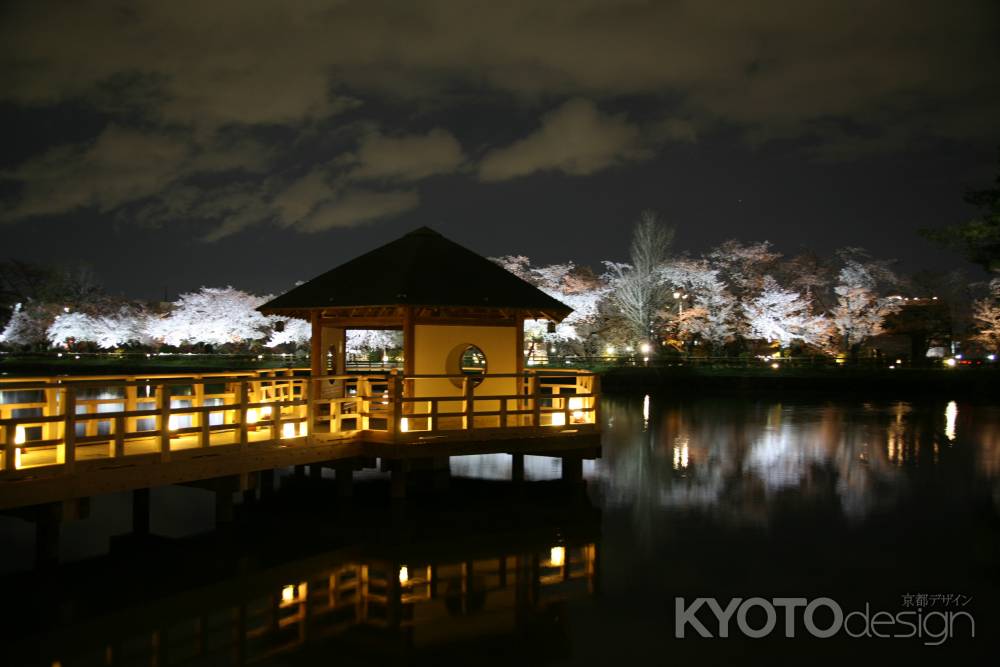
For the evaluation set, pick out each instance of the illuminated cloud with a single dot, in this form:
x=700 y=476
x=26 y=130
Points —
x=575 y=139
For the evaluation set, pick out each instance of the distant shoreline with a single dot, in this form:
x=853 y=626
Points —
x=981 y=383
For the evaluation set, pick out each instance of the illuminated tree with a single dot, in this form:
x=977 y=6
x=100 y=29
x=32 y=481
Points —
x=288 y=331
x=783 y=316
x=27 y=325
x=638 y=289
x=211 y=316
x=860 y=312
x=123 y=327
x=705 y=307
x=986 y=318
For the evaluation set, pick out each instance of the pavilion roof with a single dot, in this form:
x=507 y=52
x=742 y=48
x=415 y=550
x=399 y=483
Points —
x=421 y=268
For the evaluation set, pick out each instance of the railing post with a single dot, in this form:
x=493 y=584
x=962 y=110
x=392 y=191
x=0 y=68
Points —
x=396 y=396
x=163 y=404
x=276 y=412
x=310 y=394
x=244 y=389
x=69 y=430
x=595 y=400
x=199 y=399
x=9 y=447
x=119 y=442
x=536 y=400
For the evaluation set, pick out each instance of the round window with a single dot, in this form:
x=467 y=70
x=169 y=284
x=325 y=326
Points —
x=468 y=361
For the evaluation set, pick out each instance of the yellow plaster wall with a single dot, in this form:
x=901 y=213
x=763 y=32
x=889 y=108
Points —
x=432 y=345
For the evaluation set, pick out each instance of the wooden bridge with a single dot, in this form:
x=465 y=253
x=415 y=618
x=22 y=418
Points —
x=74 y=437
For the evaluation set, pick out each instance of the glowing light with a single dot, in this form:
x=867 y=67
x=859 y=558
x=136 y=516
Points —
x=303 y=429
x=19 y=436
x=17 y=458
x=991 y=357
x=628 y=349
x=288 y=430
x=253 y=416
x=557 y=556
x=173 y=422
x=288 y=593
x=645 y=408
x=958 y=356
x=404 y=574
x=680 y=453
x=899 y=361
x=950 y=363
x=775 y=366
x=644 y=348
x=404 y=424
x=60 y=355
x=950 y=415
x=266 y=412
x=677 y=295
x=558 y=419
x=576 y=403
x=610 y=350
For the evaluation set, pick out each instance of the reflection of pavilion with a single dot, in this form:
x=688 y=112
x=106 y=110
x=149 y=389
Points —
x=370 y=601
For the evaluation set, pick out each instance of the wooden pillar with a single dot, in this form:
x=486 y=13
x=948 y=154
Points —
x=345 y=481
x=572 y=469
x=316 y=470
x=163 y=405
x=317 y=355
x=266 y=483
x=140 y=511
x=223 y=505
x=398 y=480
x=47 y=538
x=517 y=468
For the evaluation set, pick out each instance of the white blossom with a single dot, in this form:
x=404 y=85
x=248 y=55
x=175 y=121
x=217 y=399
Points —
x=211 y=316
x=783 y=316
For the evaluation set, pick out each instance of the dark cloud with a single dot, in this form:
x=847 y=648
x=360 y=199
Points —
x=201 y=97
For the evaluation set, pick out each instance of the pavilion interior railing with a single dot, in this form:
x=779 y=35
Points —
x=57 y=422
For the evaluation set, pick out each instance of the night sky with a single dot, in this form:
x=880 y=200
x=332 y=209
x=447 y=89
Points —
x=176 y=144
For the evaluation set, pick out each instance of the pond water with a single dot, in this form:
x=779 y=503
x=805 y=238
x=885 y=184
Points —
x=891 y=505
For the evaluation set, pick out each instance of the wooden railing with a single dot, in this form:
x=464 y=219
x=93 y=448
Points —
x=60 y=421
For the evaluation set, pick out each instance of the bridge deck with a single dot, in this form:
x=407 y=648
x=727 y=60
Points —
x=68 y=437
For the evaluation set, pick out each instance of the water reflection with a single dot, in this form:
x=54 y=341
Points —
x=739 y=458
x=384 y=599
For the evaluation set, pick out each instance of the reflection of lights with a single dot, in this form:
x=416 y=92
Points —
x=680 y=453
x=404 y=574
x=558 y=419
x=645 y=408
x=288 y=430
x=950 y=414
x=557 y=556
x=17 y=458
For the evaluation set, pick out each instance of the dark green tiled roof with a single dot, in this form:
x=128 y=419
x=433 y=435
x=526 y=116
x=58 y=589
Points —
x=422 y=268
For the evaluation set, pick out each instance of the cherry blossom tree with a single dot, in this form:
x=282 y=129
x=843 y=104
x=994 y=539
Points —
x=986 y=318
x=123 y=327
x=365 y=341
x=860 y=312
x=783 y=316
x=27 y=325
x=288 y=331
x=709 y=310
x=211 y=316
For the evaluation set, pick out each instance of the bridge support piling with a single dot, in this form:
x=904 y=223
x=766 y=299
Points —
x=223 y=505
x=266 y=483
x=572 y=469
x=140 y=511
x=345 y=481
x=517 y=468
x=398 y=481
